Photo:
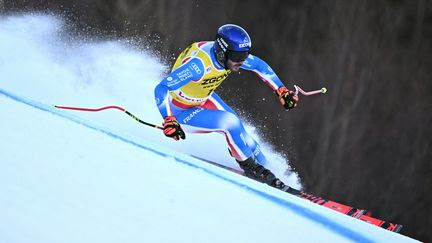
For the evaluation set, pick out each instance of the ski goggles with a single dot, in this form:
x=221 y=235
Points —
x=237 y=56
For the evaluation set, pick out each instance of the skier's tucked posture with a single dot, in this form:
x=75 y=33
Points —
x=188 y=103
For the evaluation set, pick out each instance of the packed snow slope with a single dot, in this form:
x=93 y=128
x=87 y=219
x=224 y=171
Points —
x=101 y=177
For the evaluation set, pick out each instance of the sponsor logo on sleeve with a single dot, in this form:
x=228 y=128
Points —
x=196 y=68
x=172 y=81
x=185 y=74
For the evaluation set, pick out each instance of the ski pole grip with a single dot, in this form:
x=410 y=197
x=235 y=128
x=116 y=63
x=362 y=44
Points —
x=296 y=89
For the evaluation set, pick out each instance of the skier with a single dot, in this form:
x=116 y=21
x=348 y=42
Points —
x=187 y=101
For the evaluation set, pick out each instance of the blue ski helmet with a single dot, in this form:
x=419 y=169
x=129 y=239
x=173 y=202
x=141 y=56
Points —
x=232 y=42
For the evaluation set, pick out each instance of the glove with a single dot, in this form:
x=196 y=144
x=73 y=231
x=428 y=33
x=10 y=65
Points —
x=172 y=129
x=287 y=98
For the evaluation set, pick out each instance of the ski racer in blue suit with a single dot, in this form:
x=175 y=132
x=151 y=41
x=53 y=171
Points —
x=188 y=103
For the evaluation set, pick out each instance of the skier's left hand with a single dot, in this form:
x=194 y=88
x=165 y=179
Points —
x=287 y=98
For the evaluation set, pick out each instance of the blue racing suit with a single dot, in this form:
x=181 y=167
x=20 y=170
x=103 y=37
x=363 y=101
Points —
x=188 y=94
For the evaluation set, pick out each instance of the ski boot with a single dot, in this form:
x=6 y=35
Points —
x=257 y=172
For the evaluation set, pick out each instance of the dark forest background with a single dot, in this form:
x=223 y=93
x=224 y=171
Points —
x=367 y=142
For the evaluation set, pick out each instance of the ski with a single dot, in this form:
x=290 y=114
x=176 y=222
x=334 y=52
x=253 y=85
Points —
x=341 y=208
x=338 y=207
x=381 y=223
x=360 y=214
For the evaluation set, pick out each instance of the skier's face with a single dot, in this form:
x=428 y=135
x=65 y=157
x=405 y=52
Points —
x=234 y=66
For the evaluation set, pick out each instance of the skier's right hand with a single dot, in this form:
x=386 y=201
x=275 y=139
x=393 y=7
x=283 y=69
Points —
x=287 y=98
x=172 y=129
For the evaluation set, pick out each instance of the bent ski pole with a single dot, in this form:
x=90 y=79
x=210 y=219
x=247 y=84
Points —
x=323 y=90
x=109 y=107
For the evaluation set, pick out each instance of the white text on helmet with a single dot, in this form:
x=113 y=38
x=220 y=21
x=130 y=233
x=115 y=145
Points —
x=222 y=44
x=244 y=44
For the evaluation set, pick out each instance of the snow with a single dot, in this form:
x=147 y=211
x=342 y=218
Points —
x=102 y=177
x=42 y=62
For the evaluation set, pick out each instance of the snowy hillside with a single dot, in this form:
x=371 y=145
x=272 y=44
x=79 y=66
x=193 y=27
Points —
x=102 y=177
x=40 y=60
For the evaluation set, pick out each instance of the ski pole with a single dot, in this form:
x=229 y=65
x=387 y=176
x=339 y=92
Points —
x=106 y=108
x=323 y=90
